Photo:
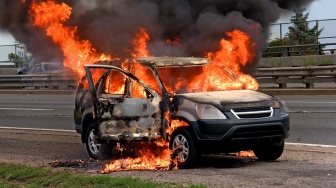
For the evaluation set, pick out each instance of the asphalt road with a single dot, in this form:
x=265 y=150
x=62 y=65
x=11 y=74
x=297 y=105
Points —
x=312 y=117
x=37 y=111
x=299 y=166
x=312 y=120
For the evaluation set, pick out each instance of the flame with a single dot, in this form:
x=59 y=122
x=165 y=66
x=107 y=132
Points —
x=140 y=44
x=173 y=124
x=152 y=156
x=51 y=17
x=248 y=153
x=174 y=41
x=140 y=48
x=235 y=54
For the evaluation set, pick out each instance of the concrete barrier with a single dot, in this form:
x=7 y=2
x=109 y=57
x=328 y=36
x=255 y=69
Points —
x=298 y=61
x=7 y=71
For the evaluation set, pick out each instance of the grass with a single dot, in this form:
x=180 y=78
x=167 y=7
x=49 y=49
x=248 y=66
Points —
x=18 y=176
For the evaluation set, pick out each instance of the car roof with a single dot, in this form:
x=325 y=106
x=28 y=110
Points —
x=161 y=62
x=173 y=61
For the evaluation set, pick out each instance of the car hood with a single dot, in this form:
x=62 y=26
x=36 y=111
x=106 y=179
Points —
x=230 y=99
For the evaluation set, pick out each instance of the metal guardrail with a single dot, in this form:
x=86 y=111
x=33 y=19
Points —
x=304 y=75
x=280 y=30
x=299 y=50
x=38 y=81
x=280 y=76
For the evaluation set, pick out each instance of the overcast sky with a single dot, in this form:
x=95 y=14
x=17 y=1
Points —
x=319 y=9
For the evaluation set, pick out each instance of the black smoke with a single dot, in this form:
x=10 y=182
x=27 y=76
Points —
x=112 y=24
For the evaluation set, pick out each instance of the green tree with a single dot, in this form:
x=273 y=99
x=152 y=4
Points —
x=13 y=57
x=274 y=49
x=299 y=33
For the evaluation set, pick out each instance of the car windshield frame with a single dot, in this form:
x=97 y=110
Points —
x=177 y=62
x=156 y=63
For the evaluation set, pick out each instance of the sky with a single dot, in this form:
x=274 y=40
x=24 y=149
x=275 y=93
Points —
x=319 y=9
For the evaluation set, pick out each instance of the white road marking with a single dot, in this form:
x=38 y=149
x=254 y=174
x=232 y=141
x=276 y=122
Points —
x=38 y=129
x=29 y=109
x=311 y=145
x=307 y=102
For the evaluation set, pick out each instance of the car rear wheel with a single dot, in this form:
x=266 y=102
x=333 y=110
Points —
x=183 y=143
x=95 y=150
x=269 y=152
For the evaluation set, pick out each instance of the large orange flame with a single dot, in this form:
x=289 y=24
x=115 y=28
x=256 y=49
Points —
x=235 y=54
x=51 y=17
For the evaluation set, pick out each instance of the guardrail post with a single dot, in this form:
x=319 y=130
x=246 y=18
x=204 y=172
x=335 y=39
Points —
x=310 y=85
x=319 y=49
x=309 y=81
x=280 y=81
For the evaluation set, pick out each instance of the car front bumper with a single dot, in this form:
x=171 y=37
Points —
x=232 y=135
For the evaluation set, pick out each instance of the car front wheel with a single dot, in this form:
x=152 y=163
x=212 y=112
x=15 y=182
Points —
x=95 y=150
x=269 y=152
x=183 y=143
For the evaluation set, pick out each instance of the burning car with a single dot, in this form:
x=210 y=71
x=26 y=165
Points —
x=115 y=104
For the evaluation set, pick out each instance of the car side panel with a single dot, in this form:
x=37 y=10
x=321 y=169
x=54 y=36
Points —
x=129 y=118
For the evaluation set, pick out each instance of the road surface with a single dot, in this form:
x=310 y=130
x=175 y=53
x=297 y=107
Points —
x=36 y=130
x=312 y=117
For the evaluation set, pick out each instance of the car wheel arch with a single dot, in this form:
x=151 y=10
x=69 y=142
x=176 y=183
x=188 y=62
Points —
x=190 y=128
x=87 y=120
x=193 y=128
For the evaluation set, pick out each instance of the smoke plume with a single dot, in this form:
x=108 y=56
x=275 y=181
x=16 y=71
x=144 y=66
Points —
x=111 y=25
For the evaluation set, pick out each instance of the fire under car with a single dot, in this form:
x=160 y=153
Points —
x=117 y=103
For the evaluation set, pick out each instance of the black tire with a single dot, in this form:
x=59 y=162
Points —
x=96 y=151
x=269 y=152
x=189 y=155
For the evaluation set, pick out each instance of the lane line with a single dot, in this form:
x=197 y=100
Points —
x=38 y=129
x=317 y=112
x=30 y=109
x=311 y=145
x=306 y=102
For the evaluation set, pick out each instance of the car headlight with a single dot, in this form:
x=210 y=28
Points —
x=205 y=111
x=281 y=106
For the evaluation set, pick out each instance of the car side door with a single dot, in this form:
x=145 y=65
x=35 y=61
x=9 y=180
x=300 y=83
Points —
x=123 y=103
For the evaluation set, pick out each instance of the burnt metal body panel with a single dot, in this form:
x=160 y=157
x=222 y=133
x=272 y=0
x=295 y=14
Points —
x=130 y=119
x=120 y=117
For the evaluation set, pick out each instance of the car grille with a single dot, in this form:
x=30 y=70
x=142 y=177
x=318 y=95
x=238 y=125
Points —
x=257 y=132
x=253 y=113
